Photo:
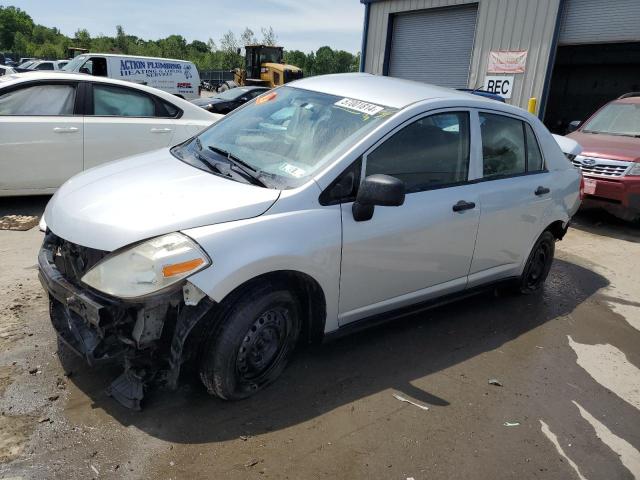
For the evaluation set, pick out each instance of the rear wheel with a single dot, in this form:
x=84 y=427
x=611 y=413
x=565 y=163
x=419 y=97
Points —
x=252 y=344
x=538 y=264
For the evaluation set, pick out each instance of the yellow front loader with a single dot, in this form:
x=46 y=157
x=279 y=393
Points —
x=264 y=66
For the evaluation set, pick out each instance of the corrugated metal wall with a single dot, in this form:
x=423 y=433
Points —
x=502 y=25
x=598 y=21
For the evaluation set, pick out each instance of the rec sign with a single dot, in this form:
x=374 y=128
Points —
x=499 y=84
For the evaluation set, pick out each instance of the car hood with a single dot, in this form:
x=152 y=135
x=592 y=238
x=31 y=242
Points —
x=615 y=147
x=129 y=200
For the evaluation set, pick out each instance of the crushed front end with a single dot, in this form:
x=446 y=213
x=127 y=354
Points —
x=147 y=336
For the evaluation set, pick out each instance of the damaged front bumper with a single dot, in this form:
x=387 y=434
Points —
x=148 y=337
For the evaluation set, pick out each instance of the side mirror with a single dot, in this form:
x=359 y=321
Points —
x=85 y=70
x=573 y=126
x=382 y=190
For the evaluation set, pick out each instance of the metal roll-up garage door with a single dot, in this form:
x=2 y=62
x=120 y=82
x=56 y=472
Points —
x=599 y=21
x=433 y=46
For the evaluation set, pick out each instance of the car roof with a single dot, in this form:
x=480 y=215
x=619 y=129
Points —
x=132 y=56
x=382 y=90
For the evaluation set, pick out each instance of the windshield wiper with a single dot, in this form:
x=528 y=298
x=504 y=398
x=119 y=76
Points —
x=244 y=167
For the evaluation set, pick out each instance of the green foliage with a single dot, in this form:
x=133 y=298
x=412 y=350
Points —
x=20 y=35
x=324 y=60
x=13 y=21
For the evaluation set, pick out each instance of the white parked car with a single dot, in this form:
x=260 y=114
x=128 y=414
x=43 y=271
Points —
x=54 y=125
x=4 y=70
x=179 y=77
x=316 y=208
x=47 y=65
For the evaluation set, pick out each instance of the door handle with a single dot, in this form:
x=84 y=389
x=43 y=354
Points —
x=541 y=191
x=65 y=129
x=160 y=130
x=463 y=205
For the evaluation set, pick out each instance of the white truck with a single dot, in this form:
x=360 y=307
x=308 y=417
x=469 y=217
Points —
x=179 y=77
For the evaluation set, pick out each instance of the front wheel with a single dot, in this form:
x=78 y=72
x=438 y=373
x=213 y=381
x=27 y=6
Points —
x=252 y=344
x=538 y=264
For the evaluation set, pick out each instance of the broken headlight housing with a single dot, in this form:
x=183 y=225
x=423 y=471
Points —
x=147 y=267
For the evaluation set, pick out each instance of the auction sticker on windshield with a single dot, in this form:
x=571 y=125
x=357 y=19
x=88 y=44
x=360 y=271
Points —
x=359 y=106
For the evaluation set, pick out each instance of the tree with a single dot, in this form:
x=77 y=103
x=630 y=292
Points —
x=198 y=46
x=229 y=46
x=325 y=61
x=296 y=58
x=21 y=45
x=342 y=61
x=121 y=39
x=174 y=46
x=50 y=51
x=13 y=21
x=269 y=37
x=248 y=37
x=82 y=38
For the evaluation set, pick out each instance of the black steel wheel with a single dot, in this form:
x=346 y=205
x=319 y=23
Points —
x=538 y=264
x=252 y=343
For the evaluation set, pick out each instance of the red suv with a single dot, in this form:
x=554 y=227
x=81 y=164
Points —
x=610 y=159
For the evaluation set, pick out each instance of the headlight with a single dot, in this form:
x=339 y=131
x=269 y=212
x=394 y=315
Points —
x=635 y=169
x=147 y=267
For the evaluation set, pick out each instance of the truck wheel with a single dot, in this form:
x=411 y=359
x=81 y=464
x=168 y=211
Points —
x=252 y=343
x=538 y=264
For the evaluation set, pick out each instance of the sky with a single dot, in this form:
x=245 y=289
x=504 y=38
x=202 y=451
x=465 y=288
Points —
x=299 y=24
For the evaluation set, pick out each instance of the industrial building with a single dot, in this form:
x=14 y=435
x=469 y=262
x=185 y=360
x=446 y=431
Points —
x=571 y=55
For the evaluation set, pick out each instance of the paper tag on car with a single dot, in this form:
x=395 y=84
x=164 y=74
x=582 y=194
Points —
x=590 y=186
x=359 y=106
x=292 y=170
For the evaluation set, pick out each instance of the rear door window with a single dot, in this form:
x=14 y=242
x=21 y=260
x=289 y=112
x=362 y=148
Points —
x=503 y=147
x=509 y=147
x=43 y=99
x=111 y=101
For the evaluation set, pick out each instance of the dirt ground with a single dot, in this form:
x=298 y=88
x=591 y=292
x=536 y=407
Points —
x=567 y=360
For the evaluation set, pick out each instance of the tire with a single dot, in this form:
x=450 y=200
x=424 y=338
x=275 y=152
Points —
x=252 y=343
x=538 y=264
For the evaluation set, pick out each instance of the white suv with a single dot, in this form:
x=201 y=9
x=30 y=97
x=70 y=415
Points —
x=319 y=206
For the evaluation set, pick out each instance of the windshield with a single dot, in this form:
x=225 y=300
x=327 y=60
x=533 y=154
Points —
x=270 y=55
x=288 y=134
x=75 y=64
x=616 y=119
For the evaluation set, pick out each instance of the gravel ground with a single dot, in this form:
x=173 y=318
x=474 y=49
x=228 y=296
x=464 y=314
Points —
x=565 y=404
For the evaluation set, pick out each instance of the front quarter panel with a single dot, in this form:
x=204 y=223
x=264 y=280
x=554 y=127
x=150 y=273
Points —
x=305 y=240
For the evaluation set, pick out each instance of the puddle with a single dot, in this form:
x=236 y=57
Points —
x=610 y=368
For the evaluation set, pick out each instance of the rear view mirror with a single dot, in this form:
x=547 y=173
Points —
x=573 y=126
x=382 y=190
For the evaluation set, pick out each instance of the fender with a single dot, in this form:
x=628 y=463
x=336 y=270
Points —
x=306 y=241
